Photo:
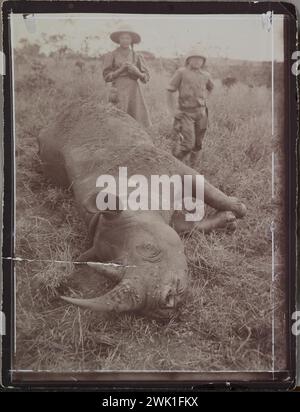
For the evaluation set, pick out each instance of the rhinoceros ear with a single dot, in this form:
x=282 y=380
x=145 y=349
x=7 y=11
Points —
x=112 y=201
x=90 y=205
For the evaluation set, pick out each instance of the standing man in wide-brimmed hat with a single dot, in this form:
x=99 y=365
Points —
x=194 y=85
x=125 y=69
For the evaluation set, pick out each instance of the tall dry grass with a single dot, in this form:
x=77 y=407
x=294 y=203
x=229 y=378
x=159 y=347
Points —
x=227 y=320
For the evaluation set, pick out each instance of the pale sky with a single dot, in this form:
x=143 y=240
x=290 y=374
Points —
x=234 y=36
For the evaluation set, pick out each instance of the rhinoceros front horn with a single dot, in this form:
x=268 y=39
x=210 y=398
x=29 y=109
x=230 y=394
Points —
x=125 y=297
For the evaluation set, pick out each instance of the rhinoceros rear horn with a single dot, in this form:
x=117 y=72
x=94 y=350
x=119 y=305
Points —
x=125 y=297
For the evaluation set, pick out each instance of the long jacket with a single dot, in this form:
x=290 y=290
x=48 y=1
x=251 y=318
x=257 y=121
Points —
x=126 y=91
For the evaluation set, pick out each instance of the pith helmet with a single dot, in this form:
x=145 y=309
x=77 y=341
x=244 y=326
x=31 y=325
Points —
x=136 y=38
x=195 y=52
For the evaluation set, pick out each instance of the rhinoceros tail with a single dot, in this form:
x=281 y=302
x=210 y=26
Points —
x=125 y=297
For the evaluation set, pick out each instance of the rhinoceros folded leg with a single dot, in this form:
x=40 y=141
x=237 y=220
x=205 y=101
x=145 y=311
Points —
x=126 y=296
x=219 y=220
x=109 y=270
x=215 y=197
x=219 y=201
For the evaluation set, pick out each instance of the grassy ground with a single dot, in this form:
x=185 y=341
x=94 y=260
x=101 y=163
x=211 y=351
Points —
x=226 y=322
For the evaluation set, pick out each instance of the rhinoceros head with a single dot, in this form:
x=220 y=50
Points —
x=151 y=265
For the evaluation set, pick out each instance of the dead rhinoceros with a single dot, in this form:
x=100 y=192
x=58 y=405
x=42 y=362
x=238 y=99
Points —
x=87 y=141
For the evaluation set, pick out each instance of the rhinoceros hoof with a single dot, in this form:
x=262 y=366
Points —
x=231 y=227
x=238 y=208
x=224 y=220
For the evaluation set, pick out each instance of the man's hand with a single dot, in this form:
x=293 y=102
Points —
x=134 y=70
x=130 y=66
x=144 y=77
x=117 y=72
x=122 y=68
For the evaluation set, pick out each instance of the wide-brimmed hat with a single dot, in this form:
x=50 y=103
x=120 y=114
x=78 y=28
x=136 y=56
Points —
x=136 y=38
x=195 y=52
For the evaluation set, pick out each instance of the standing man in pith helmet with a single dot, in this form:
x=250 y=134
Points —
x=194 y=85
x=125 y=69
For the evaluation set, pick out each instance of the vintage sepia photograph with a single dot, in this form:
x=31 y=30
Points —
x=150 y=181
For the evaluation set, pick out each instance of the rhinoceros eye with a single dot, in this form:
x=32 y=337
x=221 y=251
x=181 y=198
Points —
x=149 y=251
